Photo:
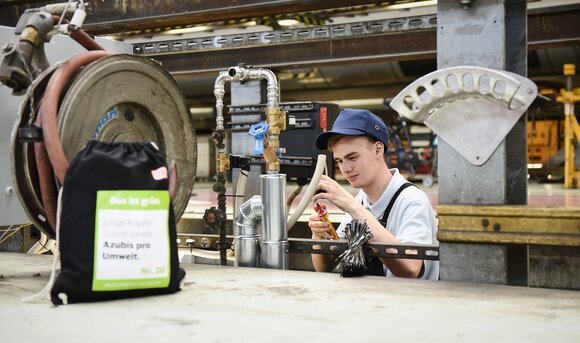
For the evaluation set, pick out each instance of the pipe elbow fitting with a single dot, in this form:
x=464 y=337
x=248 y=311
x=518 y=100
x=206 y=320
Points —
x=250 y=215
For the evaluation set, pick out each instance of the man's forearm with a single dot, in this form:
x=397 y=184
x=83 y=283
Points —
x=322 y=262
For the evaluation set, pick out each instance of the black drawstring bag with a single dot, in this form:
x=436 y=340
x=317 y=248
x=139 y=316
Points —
x=116 y=233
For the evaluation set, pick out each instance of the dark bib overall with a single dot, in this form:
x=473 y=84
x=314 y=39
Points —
x=374 y=265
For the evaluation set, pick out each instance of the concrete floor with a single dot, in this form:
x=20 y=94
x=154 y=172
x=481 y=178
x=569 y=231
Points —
x=219 y=304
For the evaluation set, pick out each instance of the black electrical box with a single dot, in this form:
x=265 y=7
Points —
x=305 y=121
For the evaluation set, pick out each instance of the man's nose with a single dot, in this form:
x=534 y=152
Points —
x=347 y=166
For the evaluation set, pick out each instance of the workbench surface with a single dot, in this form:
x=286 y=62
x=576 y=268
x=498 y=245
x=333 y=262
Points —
x=220 y=303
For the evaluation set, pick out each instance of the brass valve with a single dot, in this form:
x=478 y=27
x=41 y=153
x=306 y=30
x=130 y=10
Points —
x=276 y=120
x=271 y=155
x=223 y=162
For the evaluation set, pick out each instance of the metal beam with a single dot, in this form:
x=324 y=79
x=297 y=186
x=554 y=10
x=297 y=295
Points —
x=553 y=27
x=290 y=35
x=509 y=225
x=394 y=47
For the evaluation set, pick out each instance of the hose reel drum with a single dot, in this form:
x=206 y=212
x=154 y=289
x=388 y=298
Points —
x=119 y=98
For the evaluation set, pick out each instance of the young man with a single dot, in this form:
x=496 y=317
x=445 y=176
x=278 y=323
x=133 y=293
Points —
x=358 y=141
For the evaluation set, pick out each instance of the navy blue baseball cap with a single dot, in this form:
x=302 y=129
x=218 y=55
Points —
x=355 y=122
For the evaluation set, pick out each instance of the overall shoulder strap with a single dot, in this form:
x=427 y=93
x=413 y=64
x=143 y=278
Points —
x=383 y=220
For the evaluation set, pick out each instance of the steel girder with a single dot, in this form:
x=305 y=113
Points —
x=548 y=28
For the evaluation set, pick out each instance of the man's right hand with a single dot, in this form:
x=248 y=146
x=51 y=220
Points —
x=319 y=228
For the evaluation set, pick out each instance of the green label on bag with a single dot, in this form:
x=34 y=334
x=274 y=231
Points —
x=132 y=248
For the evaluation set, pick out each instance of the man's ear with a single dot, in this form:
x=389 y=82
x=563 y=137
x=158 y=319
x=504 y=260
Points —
x=379 y=148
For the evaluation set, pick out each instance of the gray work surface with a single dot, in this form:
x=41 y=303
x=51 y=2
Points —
x=228 y=304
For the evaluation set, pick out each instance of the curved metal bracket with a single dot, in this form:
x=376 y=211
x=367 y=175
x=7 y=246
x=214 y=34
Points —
x=471 y=108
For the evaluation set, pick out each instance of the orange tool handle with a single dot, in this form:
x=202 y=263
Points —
x=321 y=211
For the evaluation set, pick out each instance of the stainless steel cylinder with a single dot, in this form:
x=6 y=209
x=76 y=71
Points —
x=247 y=250
x=274 y=255
x=274 y=242
x=273 y=188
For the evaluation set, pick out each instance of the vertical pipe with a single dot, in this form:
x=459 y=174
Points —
x=274 y=243
x=246 y=238
x=219 y=91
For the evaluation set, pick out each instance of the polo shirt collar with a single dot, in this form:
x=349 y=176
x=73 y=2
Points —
x=379 y=207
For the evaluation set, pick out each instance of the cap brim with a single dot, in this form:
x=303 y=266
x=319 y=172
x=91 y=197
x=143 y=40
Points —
x=322 y=139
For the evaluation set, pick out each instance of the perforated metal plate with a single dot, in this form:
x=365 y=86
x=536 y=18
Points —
x=129 y=98
x=471 y=108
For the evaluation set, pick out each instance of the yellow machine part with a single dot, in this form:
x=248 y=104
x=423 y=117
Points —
x=543 y=140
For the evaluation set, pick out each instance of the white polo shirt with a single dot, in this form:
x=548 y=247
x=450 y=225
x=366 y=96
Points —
x=411 y=220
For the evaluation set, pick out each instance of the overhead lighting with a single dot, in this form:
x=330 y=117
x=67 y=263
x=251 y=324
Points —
x=187 y=30
x=534 y=166
x=312 y=80
x=410 y=5
x=288 y=22
x=360 y=103
x=202 y=112
x=110 y=37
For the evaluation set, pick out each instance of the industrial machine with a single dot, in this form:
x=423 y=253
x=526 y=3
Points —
x=101 y=97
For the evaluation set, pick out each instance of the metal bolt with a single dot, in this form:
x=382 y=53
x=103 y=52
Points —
x=485 y=222
x=205 y=243
x=129 y=115
x=465 y=4
x=496 y=227
x=9 y=191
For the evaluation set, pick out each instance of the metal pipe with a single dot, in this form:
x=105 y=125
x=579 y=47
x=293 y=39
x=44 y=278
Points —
x=274 y=242
x=246 y=238
x=241 y=74
x=240 y=191
x=80 y=37
x=218 y=91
